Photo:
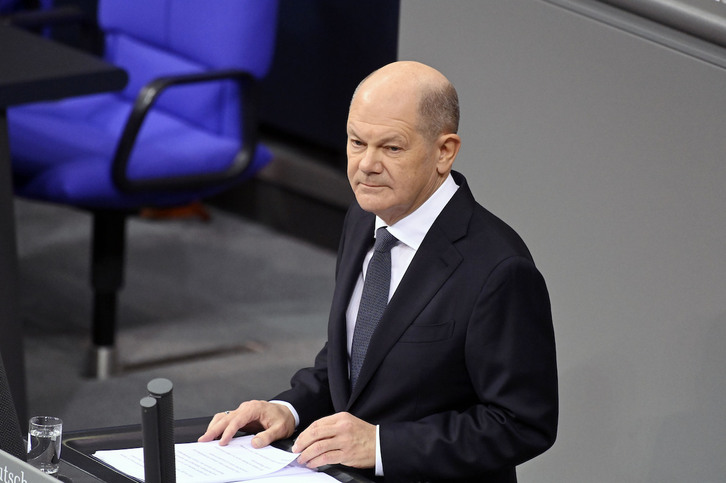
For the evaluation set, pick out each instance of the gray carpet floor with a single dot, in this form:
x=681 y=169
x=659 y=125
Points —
x=227 y=285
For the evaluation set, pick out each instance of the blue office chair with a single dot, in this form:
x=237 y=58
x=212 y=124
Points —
x=183 y=129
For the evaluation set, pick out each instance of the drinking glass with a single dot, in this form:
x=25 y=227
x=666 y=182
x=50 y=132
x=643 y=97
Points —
x=44 y=443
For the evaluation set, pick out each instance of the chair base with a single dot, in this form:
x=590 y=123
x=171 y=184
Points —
x=102 y=363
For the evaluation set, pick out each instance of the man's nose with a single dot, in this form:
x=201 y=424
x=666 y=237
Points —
x=370 y=162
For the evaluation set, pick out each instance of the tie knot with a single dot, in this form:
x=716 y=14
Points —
x=384 y=240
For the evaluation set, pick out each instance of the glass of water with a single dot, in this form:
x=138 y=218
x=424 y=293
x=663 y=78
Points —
x=44 y=443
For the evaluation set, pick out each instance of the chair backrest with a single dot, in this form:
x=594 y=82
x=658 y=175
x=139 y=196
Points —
x=11 y=439
x=153 y=38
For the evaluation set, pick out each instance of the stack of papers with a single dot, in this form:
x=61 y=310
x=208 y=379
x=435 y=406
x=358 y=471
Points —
x=212 y=463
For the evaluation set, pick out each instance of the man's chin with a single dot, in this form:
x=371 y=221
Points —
x=367 y=201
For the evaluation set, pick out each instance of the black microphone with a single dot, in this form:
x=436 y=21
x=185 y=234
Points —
x=150 y=434
x=161 y=390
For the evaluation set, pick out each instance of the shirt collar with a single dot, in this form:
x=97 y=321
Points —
x=412 y=229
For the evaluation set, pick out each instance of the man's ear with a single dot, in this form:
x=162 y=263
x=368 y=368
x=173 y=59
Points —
x=448 y=145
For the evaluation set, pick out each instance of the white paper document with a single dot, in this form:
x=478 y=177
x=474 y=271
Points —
x=212 y=463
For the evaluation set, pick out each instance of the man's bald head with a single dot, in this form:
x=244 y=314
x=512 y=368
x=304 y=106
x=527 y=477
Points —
x=438 y=102
x=402 y=138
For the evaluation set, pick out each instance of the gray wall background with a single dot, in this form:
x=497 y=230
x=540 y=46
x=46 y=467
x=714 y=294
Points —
x=608 y=154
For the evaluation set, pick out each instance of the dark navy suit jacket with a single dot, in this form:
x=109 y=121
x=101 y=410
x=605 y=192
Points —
x=461 y=372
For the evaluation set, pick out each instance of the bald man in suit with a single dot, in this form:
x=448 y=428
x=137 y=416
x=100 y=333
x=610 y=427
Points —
x=459 y=381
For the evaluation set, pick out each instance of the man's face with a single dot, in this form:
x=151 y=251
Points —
x=392 y=168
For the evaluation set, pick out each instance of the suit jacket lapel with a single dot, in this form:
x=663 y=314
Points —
x=434 y=262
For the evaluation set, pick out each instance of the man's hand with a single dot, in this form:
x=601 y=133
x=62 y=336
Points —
x=276 y=421
x=340 y=438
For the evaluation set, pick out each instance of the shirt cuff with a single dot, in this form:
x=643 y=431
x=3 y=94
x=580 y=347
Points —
x=292 y=410
x=379 y=461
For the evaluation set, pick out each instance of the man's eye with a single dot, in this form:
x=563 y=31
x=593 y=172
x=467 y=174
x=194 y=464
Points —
x=394 y=149
x=356 y=143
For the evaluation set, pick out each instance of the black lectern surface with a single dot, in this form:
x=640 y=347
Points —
x=79 y=446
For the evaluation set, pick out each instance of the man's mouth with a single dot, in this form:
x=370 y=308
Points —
x=369 y=184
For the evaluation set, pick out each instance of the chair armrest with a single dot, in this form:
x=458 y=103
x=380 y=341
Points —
x=145 y=100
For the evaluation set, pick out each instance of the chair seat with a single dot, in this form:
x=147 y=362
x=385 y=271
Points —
x=72 y=163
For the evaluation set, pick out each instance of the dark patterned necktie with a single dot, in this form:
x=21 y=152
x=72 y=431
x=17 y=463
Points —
x=373 y=300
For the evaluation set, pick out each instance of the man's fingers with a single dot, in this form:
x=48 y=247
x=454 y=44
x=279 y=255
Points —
x=214 y=428
x=266 y=437
x=229 y=433
x=332 y=457
x=276 y=420
x=208 y=436
x=282 y=427
x=320 y=429
x=225 y=425
x=318 y=451
x=340 y=438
